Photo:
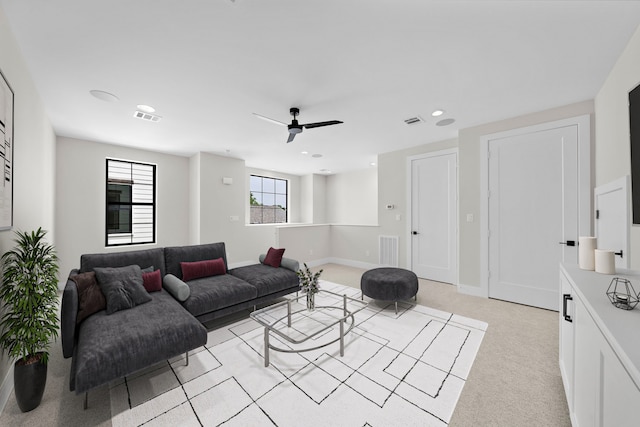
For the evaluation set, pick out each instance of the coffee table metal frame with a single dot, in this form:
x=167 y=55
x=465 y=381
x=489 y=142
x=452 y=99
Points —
x=271 y=326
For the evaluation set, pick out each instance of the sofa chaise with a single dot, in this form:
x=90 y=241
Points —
x=105 y=347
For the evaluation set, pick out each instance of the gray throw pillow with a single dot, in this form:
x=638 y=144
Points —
x=122 y=287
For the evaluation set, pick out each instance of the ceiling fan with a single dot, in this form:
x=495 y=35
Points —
x=295 y=127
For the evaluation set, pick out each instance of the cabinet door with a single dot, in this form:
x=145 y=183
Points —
x=566 y=348
x=620 y=396
x=586 y=367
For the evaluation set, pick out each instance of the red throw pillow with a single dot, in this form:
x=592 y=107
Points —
x=90 y=297
x=198 y=269
x=274 y=257
x=152 y=281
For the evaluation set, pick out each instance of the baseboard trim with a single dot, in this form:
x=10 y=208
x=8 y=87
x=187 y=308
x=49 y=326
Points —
x=6 y=388
x=352 y=263
x=316 y=262
x=475 y=291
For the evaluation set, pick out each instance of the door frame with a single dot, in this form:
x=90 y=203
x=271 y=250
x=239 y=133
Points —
x=409 y=221
x=583 y=124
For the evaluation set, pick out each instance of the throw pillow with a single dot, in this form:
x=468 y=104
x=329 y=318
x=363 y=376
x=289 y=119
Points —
x=176 y=287
x=90 y=297
x=198 y=269
x=274 y=257
x=122 y=287
x=152 y=281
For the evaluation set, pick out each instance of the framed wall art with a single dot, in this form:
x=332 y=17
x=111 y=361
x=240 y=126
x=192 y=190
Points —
x=6 y=154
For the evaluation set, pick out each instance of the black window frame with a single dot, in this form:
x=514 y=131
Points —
x=131 y=204
x=286 y=194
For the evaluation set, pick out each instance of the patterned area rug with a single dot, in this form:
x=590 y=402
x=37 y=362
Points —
x=397 y=370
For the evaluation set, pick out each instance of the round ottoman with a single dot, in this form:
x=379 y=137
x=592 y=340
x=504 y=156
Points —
x=389 y=284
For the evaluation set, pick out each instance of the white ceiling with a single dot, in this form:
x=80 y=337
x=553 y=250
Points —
x=207 y=65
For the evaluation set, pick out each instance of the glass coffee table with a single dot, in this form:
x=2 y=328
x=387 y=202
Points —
x=292 y=322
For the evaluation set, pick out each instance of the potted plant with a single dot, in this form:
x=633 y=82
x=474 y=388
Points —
x=29 y=297
x=309 y=284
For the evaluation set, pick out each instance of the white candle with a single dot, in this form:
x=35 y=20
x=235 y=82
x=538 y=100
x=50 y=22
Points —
x=605 y=262
x=586 y=255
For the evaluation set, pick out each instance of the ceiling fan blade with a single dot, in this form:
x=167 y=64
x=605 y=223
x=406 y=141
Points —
x=291 y=136
x=319 y=124
x=270 y=120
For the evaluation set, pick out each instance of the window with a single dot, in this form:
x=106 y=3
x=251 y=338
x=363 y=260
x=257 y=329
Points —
x=268 y=200
x=131 y=208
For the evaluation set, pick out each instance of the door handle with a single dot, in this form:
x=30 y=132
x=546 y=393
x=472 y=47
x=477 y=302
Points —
x=565 y=298
x=414 y=233
x=569 y=243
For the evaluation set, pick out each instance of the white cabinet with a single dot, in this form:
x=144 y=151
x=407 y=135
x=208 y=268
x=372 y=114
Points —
x=566 y=348
x=599 y=352
x=586 y=366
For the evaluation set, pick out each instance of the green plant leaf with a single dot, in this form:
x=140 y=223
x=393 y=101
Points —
x=29 y=294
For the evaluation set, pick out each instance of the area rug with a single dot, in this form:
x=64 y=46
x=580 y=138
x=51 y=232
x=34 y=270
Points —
x=405 y=369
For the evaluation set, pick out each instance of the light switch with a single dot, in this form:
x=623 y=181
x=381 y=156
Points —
x=469 y=217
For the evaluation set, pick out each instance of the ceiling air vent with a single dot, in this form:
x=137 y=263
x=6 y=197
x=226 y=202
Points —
x=414 y=120
x=146 y=116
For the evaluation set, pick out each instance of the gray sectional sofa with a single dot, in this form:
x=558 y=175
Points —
x=105 y=346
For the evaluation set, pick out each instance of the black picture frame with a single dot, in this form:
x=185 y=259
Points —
x=634 y=136
x=6 y=153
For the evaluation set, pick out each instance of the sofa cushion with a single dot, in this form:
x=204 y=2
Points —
x=113 y=346
x=122 y=287
x=266 y=279
x=90 y=297
x=274 y=257
x=152 y=281
x=198 y=269
x=216 y=292
x=142 y=258
x=177 y=254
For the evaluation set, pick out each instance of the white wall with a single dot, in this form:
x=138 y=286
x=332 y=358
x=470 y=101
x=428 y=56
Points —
x=352 y=197
x=313 y=199
x=194 y=200
x=80 y=193
x=308 y=243
x=320 y=195
x=355 y=245
x=33 y=164
x=612 y=144
x=222 y=210
x=393 y=187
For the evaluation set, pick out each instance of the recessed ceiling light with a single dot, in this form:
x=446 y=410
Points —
x=304 y=153
x=437 y=113
x=372 y=164
x=146 y=108
x=104 y=96
x=445 y=122
x=316 y=156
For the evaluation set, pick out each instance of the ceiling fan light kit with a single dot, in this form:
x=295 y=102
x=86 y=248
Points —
x=295 y=128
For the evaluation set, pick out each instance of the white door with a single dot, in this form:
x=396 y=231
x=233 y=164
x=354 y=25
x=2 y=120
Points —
x=533 y=210
x=434 y=216
x=611 y=203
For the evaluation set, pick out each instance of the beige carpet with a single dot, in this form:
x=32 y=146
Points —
x=515 y=379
